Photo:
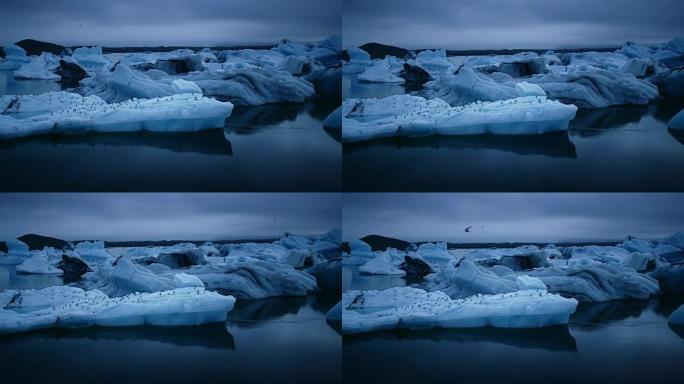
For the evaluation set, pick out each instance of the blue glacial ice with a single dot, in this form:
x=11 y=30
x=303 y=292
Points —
x=70 y=307
x=407 y=115
x=408 y=307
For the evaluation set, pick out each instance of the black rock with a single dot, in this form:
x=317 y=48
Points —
x=35 y=47
x=380 y=243
x=71 y=72
x=73 y=266
x=2 y=53
x=414 y=75
x=38 y=242
x=415 y=269
x=379 y=51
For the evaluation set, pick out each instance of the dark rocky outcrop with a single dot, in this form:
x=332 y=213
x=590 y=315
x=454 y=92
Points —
x=380 y=243
x=182 y=259
x=524 y=68
x=414 y=76
x=73 y=267
x=38 y=242
x=71 y=72
x=35 y=47
x=416 y=269
x=379 y=51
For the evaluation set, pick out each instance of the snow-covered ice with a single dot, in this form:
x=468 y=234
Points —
x=407 y=115
x=68 y=307
x=39 y=263
x=62 y=112
x=407 y=307
x=381 y=264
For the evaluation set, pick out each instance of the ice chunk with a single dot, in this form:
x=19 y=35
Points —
x=434 y=253
x=406 y=115
x=359 y=61
x=72 y=113
x=468 y=86
x=406 y=307
x=360 y=253
x=435 y=62
x=15 y=57
x=380 y=72
x=40 y=67
x=677 y=122
x=92 y=252
x=334 y=119
x=597 y=282
x=459 y=280
x=39 y=264
x=254 y=279
x=596 y=88
x=184 y=280
x=254 y=86
x=91 y=58
x=17 y=247
x=65 y=307
x=677 y=317
x=184 y=86
x=380 y=265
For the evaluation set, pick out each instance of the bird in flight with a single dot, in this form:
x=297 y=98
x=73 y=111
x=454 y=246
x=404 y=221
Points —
x=468 y=228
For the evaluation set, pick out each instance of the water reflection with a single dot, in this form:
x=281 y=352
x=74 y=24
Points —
x=555 y=144
x=353 y=88
x=210 y=336
x=556 y=338
x=209 y=142
x=11 y=86
x=10 y=279
x=589 y=316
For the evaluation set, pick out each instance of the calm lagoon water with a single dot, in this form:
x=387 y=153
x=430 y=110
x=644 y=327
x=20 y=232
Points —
x=262 y=341
x=267 y=148
x=610 y=149
x=621 y=341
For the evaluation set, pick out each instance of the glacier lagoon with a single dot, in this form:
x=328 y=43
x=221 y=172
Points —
x=254 y=151
x=627 y=340
x=607 y=149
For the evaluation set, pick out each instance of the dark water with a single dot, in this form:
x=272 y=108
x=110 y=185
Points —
x=610 y=149
x=621 y=341
x=262 y=341
x=267 y=148
x=10 y=279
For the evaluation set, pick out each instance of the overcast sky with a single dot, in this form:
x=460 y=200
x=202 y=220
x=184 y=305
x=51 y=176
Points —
x=496 y=24
x=533 y=217
x=119 y=216
x=168 y=22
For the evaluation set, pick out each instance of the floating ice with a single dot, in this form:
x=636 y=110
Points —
x=66 y=307
x=92 y=252
x=677 y=122
x=406 y=307
x=380 y=72
x=91 y=58
x=39 y=263
x=380 y=265
x=62 y=112
x=41 y=67
x=406 y=115
x=677 y=317
x=359 y=61
x=15 y=57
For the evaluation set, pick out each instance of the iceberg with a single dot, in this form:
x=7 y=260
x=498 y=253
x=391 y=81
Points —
x=254 y=86
x=407 y=115
x=596 y=88
x=407 y=307
x=597 y=282
x=68 y=307
x=62 y=112
x=247 y=278
x=91 y=58
x=435 y=62
x=17 y=252
x=380 y=265
x=677 y=122
x=92 y=252
x=15 y=57
x=41 y=67
x=380 y=72
x=359 y=61
x=677 y=317
x=434 y=253
x=464 y=279
x=360 y=253
x=39 y=263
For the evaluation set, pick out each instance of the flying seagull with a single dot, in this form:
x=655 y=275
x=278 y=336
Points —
x=468 y=228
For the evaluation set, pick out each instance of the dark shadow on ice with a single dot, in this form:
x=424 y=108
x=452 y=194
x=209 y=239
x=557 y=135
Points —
x=555 y=338
x=678 y=134
x=207 y=142
x=211 y=336
x=556 y=144
x=591 y=316
x=250 y=313
x=678 y=329
x=244 y=119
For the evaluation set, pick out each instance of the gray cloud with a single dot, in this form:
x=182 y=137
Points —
x=168 y=22
x=121 y=216
x=494 y=24
x=512 y=217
